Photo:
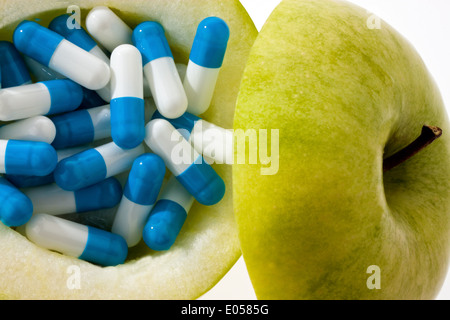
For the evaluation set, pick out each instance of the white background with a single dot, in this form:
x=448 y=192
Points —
x=426 y=24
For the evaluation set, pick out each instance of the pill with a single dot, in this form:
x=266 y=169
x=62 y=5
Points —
x=160 y=69
x=107 y=28
x=73 y=239
x=22 y=157
x=167 y=216
x=82 y=39
x=27 y=181
x=189 y=167
x=51 y=199
x=94 y=165
x=55 y=52
x=41 y=98
x=82 y=126
x=211 y=141
x=140 y=193
x=15 y=207
x=127 y=103
x=14 y=70
x=38 y=128
x=205 y=60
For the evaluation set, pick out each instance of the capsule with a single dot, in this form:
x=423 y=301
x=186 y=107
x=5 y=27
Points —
x=211 y=141
x=76 y=240
x=167 y=216
x=15 y=207
x=38 y=128
x=41 y=98
x=27 y=181
x=14 y=70
x=140 y=193
x=55 y=52
x=127 y=103
x=82 y=39
x=94 y=165
x=205 y=60
x=189 y=167
x=82 y=126
x=51 y=199
x=160 y=69
x=27 y=157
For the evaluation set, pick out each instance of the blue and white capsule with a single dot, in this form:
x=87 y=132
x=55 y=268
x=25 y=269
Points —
x=13 y=68
x=160 y=70
x=140 y=193
x=94 y=165
x=82 y=39
x=32 y=158
x=51 y=199
x=76 y=240
x=27 y=181
x=37 y=128
x=81 y=127
x=15 y=207
x=214 y=143
x=185 y=163
x=205 y=61
x=52 y=50
x=167 y=216
x=41 y=98
x=127 y=103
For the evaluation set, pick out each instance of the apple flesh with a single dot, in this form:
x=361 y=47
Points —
x=330 y=224
x=208 y=245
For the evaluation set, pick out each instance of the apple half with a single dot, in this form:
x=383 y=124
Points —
x=208 y=245
x=345 y=95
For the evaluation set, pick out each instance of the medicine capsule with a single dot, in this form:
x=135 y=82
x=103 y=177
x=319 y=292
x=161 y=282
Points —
x=38 y=128
x=51 y=199
x=167 y=216
x=55 y=52
x=15 y=207
x=82 y=39
x=41 y=98
x=76 y=240
x=205 y=60
x=27 y=181
x=13 y=68
x=211 y=141
x=140 y=193
x=94 y=165
x=82 y=126
x=189 y=167
x=160 y=70
x=127 y=103
x=32 y=158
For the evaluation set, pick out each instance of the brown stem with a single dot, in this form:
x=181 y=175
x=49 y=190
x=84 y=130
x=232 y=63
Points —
x=428 y=135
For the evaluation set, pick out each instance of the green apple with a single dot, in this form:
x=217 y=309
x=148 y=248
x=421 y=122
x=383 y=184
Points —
x=330 y=224
x=208 y=244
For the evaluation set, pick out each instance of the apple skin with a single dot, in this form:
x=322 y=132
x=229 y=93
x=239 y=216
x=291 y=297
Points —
x=208 y=245
x=343 y=97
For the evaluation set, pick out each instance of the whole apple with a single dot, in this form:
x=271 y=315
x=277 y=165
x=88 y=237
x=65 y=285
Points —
x=331 y=223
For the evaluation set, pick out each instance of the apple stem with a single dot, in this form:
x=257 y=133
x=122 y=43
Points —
x=428 y=135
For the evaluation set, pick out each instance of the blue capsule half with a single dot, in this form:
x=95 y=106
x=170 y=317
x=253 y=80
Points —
x=15 y=207
x=127 y=121
x=164 y=224
x=14 y=70
x=210 y=43
x=105 y=194
x=149 y=37
x=29 y=158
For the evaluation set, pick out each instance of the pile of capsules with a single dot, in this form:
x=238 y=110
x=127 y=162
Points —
x=80 y=96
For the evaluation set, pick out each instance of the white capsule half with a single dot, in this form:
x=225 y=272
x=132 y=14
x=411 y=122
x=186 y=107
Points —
x=37 y=128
